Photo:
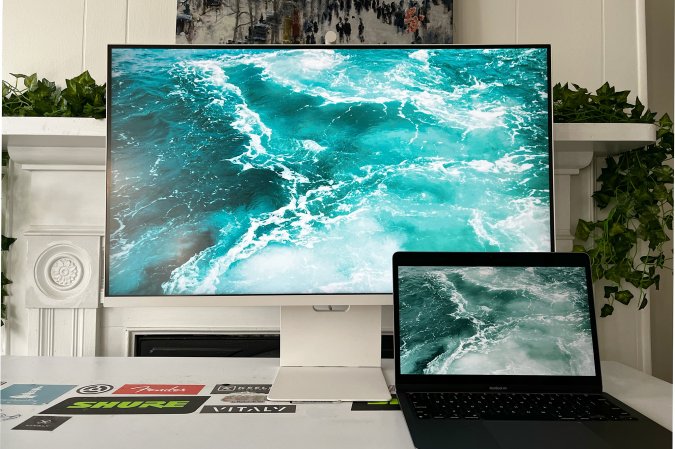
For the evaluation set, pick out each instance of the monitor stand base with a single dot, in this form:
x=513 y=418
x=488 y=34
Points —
x=329 y=384
x=330 y=355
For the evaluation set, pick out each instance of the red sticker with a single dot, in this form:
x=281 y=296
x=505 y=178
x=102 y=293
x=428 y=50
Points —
x=158 y=389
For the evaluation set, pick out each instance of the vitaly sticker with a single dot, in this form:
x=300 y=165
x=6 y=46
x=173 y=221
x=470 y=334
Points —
x=248 y=409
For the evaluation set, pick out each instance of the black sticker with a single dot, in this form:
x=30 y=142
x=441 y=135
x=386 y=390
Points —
x=42 y=423
x=127 y=405
x=376 y=405
x=95 y=389
x=241 y=388
x=259 y=408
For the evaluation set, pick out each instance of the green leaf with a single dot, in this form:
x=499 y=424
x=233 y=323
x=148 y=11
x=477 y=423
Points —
x=583 y=230
x=624 y=297
x=657 y=260
x=643 y=303
x=616 y=229
x=609 y=290
x=7 y=242
x=606 y=310
x=31 y=82
x=602 y=199
x=4 y=279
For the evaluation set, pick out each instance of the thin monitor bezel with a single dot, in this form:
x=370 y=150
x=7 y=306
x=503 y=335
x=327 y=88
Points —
x=266 y=299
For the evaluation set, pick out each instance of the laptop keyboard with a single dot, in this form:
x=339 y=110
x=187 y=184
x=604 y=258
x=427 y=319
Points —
x=517 y=406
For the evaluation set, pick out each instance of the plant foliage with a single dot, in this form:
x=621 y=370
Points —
x=606 y=105
x=6 y=243
x=82 y=97
x=635 y=189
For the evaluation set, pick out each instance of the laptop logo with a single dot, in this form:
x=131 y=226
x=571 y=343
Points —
x=498 y=388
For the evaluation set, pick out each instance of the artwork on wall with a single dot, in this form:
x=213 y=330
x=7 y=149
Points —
x=348 y=22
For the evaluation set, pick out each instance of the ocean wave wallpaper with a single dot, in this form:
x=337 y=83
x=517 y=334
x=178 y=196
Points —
x=291 y=170
x=495 y=321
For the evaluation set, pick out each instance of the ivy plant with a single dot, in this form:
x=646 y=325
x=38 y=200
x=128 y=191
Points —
x=635 y=188
x=82 y=97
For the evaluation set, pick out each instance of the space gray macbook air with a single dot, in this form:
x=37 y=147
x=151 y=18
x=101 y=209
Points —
x=499 y=350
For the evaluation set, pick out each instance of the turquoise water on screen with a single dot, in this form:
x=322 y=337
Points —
x=256 y=171
x=495 y=321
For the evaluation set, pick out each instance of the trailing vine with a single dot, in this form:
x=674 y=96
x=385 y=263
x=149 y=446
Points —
x=6 y=243
x=626 y=247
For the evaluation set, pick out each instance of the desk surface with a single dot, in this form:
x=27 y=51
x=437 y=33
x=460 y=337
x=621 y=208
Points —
x=311 y=426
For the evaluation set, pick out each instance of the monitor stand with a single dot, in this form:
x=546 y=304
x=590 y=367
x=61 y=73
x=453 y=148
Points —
x=330 y=355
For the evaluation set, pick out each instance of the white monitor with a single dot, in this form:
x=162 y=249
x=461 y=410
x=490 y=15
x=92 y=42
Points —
x=289 y=175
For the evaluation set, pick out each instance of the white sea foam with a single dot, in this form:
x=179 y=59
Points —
x=420 y=55
x=477 y=223
x=312 y=146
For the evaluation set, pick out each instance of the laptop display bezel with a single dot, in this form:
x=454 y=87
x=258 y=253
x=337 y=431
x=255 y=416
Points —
x=494 y=383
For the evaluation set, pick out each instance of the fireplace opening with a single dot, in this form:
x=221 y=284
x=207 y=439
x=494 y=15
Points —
x=220 y=345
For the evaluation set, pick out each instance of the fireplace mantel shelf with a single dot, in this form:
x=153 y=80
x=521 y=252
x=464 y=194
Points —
x=60 y=142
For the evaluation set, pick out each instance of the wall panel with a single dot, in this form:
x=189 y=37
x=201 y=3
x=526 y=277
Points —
x=573 y=28
x=105 y=23
x=620 y=31
x=485 y=22
x=151 y=22
x=43 y=36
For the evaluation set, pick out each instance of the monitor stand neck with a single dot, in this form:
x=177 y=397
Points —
x=330 y=355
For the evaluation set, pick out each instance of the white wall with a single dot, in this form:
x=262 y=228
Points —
x=593 y=41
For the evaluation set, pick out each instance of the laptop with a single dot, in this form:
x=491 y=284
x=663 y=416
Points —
x=500 y=350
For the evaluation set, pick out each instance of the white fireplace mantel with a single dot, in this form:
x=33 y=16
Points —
x=61 y=164
x=54 y=143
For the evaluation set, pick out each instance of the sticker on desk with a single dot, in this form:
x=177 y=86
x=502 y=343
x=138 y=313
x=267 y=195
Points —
x=42 y=423
x=242 y=393
x=392 y=404
x=248 y=408
x=168 y=389
x=95 y=389
x=241 y=388
x=127 y=405
x=32 y=394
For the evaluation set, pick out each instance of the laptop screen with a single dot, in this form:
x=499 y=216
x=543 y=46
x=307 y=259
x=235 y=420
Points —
x=495 y=320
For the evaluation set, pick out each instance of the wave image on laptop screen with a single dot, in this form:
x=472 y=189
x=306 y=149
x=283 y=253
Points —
x=495 y=321
x=298 y=171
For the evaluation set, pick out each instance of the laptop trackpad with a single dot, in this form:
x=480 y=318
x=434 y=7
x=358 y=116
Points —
x=540 y=434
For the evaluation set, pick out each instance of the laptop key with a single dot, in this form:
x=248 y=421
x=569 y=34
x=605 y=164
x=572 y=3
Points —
x=531 y=406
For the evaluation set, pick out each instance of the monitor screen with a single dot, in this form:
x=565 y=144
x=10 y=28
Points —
x=253 y=170
x=495 y=321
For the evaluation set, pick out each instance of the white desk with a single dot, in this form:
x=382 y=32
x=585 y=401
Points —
x=311 y=426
